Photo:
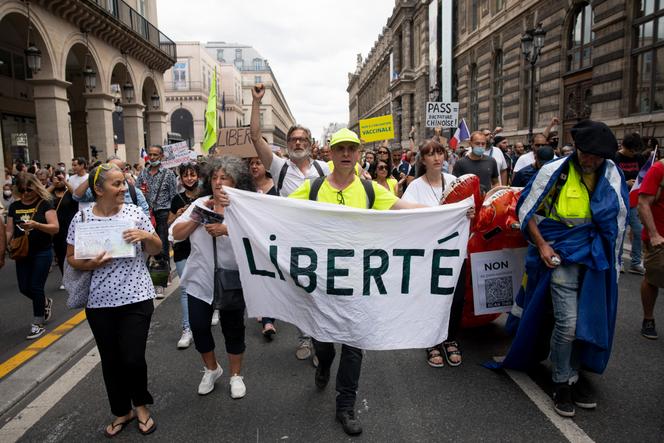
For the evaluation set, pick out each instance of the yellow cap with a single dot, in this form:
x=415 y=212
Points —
x=344 y=135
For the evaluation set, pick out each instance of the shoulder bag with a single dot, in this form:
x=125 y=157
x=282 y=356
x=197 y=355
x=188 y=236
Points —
x=76 y=282
x=227 y=286
x=20 y=247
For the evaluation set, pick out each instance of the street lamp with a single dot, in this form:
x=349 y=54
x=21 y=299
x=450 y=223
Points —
x=154 y=100
x=32 y=53
x=89 y=74
x=128 y=88
x=532 y=42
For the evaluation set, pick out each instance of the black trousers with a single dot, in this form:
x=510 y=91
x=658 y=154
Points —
x=161 y=219
x=231 y=322
x=456 y=313
x=60 y=249
x=121 y=334
x=348 y=375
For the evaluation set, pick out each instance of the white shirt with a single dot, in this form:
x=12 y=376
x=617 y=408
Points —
x=198 y=275
x=526 y=159
x=294 y=176
x=75 y=181
x=122 y=281
x=420 y=191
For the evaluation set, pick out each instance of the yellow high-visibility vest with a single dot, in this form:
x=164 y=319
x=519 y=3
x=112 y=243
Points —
x=572 y=206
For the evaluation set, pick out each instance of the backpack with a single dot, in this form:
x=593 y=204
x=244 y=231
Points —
x=368 y=189
x=284 y=169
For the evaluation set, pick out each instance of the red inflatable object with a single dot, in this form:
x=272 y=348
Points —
x=496 y=226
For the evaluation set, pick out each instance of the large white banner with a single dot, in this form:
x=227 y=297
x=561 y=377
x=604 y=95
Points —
x=371 y=279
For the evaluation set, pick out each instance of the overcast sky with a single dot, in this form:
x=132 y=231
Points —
x=311 y=45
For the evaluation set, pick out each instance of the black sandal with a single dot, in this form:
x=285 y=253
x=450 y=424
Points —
x=151 y=429
x=121 y=425
x=451 y=352
x=433 y=353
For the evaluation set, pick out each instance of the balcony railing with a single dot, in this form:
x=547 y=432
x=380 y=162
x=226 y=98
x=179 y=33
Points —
x=186 y=86
x=139 y=24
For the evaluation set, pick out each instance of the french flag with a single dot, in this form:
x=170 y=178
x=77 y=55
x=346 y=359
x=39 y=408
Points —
x=462 y=133
x=634 y=192
x=144 y=154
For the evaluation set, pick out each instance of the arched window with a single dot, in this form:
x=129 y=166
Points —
x=474 y=100
x=182 y=122
x=497 y=89
x=648 y=57
x=580 y=38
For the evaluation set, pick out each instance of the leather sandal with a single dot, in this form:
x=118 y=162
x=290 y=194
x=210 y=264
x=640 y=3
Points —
x=451 y=348
x=432 y=354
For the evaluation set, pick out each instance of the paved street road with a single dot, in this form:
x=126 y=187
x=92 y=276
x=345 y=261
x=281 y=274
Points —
x=400 y=399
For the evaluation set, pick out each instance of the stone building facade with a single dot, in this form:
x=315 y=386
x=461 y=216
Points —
x=187 y=86
x=276 y=116
x=53 y=114
x=602 y=59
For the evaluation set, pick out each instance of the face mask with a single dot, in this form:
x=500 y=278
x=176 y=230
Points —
x=155 y=163
x=478 y=151
x=7 y=194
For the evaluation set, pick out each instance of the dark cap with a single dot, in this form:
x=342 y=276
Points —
x=497 y=139
x=591 y=137
x=544 y=153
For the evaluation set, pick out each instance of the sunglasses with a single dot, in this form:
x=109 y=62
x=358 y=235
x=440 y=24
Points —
x=383 y=152
x=24 y=190
x=105 y=167
x=382 y=168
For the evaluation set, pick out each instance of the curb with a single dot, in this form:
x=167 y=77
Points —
x=17 y=385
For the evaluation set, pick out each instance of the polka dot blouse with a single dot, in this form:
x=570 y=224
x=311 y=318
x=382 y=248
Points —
x=121 y=281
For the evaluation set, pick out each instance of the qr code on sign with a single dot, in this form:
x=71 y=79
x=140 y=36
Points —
x=499 y=292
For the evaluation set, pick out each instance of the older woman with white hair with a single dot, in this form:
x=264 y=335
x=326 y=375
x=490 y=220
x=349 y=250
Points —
x=202 y=223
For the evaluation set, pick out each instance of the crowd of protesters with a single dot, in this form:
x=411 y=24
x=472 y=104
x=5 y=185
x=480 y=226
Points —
x=46 y=204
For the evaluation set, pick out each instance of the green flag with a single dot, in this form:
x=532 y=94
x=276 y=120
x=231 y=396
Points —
x=211 y=116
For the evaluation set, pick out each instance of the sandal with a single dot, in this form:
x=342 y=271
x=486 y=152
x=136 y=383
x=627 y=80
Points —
x=269 y=331
x=433 y=356
x=149 y=430
x=451 y=349
x=120 y=425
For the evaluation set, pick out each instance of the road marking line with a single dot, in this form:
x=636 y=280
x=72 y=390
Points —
x=40 y=345
x=570 y=430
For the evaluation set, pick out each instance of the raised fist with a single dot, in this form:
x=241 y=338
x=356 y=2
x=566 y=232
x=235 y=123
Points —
x=555 y=121
x=258 y=91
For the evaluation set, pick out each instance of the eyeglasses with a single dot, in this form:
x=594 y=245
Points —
x=105 y=167
x=298 y=139
x=383 y=152
x=381 y=168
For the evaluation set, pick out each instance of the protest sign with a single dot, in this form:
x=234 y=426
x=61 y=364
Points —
x=496 y=279
x=354 y=278
x=175 y=154
x=377 y=129
x=235 y=141
x=445 y=115
x=99 y=236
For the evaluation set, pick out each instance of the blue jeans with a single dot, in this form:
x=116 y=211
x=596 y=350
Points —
x=564 y=297
x=635 y=223
x=31 y=274
x=179 y=267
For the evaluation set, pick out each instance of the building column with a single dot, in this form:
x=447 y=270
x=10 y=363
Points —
x=133 y=130
x=53 y=122
x=406 y=116
x=407 y=42
x=99 y=107
x=157 y=128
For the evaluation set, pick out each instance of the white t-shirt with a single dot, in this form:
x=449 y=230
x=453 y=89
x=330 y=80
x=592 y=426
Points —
x=526 y=159
x=122 y=281
x=419 y=191
x=75 y=181
x=294 y=177
x=198 y=275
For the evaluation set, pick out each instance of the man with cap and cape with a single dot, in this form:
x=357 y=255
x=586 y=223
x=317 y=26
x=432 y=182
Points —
x=573 y=214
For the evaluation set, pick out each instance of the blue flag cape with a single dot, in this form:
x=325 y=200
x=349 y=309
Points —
x=596 y=246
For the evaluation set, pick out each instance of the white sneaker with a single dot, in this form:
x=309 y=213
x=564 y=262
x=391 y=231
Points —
x=209 y=377
x=35 y=331
x=159 y=291
x=62 y=287
x=238 y=389
x=186 y=339
x=215 y=317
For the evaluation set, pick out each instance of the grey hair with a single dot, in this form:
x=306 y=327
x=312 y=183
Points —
x=295 y=128
x=233 y=166
x=101 y=178
x=113 y=157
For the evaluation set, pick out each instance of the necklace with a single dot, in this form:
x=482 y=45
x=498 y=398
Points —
x=434 y=192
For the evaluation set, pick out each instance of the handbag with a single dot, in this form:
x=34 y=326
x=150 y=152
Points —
x=227 y=285
x=77 y=283
x=19 y=247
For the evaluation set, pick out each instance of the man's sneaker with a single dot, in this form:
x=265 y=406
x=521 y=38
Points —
x=562 y=400
x=648 y=329
x=48 y=309
x=35 y=331
x=159 y=291
x=637 y=269
x=186 y=339
x=303 y=350
x=322 y=377
x=238 y=389
x=215 y=318
x=209 y=377
x=583 y=394
x=350 y=423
